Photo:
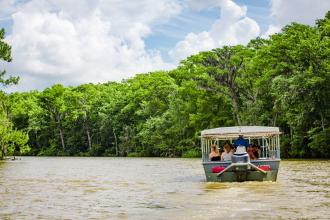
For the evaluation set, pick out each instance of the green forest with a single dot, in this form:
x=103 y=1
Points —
x=282 y=81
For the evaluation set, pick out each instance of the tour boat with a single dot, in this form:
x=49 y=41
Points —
x=242 y=167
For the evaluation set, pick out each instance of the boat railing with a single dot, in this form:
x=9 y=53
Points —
x=269 y=147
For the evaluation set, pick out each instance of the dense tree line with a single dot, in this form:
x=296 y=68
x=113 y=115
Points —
x=281 y=81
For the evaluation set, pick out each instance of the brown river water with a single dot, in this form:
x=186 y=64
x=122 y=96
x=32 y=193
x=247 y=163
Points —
x=156 y=188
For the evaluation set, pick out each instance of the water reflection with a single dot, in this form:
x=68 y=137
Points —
x=151 y=188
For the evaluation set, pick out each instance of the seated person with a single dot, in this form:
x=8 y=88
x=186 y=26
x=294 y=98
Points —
x=240 y=141
x=226 y=155
x=251 y=152
x=255 y=151
x=214 y=155
x=232 y=148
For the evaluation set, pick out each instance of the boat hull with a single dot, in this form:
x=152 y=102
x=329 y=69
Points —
x=242 y=173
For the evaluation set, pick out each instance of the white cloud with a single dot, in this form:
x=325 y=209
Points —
x=6 y=8
x=233 y=27
x=272 y=29
x=285 y=12
x=73 y=42
x=81 y=41
x=205 y=4
x=306 y=12
x=192 y=44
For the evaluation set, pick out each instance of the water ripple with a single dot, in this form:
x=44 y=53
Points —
x=151 y=188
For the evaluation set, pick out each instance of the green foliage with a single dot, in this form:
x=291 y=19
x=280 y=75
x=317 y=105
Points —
x=282 y=81
x=12 y=141
x=192 y=153
x=5 y=54
x=319 y=142
x=134 y=154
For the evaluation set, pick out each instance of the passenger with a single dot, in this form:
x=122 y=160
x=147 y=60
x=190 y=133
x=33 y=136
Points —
x=256 y=151
x=214 y=155
x=232 y=148
x=226 y=155
x=251 y=152
x=240 y=141
x=220 y=151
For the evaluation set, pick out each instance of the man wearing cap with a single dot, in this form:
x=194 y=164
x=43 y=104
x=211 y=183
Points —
x=241 y=141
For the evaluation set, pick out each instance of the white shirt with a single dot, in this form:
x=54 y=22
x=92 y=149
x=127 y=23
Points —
x=226 y=156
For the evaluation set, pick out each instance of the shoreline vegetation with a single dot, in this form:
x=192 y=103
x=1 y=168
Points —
x=281 y=81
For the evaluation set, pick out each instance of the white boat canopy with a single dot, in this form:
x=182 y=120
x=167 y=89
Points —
x=247 y=131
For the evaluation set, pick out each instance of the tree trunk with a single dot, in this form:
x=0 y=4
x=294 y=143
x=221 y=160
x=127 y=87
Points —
x=322 y=121
x=2 y=152
x=62 y=138
x=234 y=100
x=89 y=139
x=37 y=141
x=58 y=120
x=114 y=134
x=275 y=119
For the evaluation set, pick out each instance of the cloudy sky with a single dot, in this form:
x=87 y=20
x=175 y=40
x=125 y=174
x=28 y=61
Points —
x=81 y=41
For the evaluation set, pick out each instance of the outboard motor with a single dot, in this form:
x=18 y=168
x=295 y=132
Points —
x=240 y=156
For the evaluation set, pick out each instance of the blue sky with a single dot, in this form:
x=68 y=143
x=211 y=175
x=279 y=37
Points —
x=81 y=41
x=165 y=36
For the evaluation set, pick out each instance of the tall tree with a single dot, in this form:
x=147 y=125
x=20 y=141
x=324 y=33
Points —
x=9 y=137
x=52 y=101
x=5 y=54
x=225 y=67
